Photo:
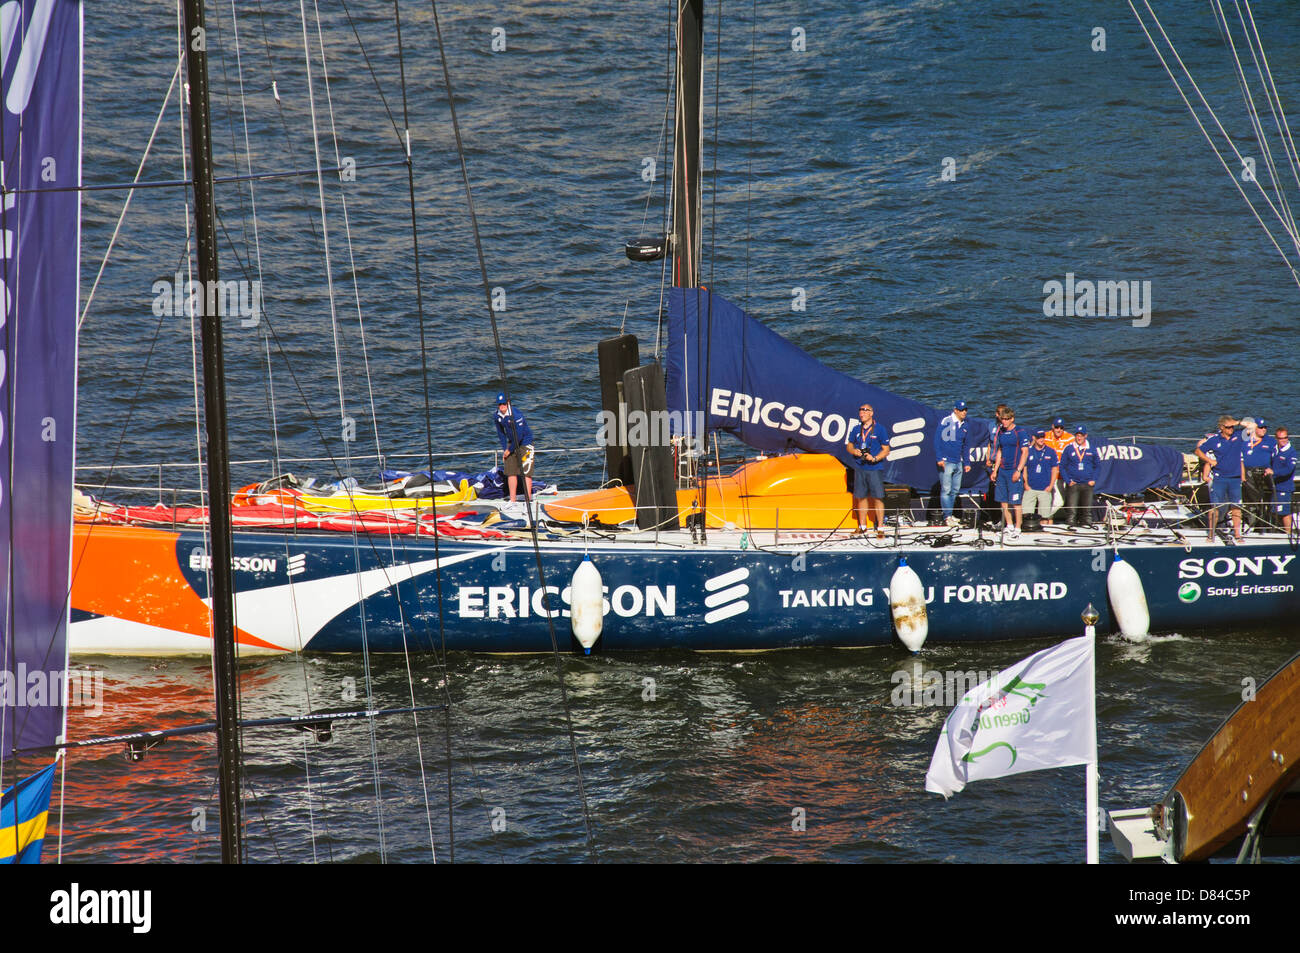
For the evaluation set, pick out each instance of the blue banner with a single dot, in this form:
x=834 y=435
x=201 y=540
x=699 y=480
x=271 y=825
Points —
x=775 y=397
x=40 y=151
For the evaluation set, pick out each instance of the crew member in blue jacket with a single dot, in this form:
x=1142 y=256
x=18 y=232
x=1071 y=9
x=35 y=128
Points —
x=869 y=442
x=1257 y=488
x=952 y=451
x=1282 y=472
x=517 y=441
x=1079 y=465
x=1223 y=451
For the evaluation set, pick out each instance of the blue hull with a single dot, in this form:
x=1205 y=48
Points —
x=689 y=597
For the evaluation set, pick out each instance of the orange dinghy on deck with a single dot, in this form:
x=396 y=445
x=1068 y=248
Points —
x=796 y=491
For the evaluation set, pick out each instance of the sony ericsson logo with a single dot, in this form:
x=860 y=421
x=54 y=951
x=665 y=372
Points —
x=1189 y=592
x=1223 y=566
x=30 y=48
x=905 y=436
x=726 y=595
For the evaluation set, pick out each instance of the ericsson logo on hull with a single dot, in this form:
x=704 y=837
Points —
x=726 y=595
x=1189 y=592
x=520 y=602
x=200 y=560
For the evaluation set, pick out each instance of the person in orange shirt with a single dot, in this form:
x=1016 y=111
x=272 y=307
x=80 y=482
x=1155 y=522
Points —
x=1058 y=438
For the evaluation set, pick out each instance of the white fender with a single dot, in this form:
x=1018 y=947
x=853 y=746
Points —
x=907 y=603
x=587 y=603
x=1128 y=599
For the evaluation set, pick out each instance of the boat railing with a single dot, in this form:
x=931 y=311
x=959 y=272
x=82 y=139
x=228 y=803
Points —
x=165 y=480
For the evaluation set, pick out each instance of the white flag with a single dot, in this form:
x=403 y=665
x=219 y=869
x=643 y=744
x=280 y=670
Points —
x=1039 y=713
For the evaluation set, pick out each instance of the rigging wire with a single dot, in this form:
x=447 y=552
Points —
x=129 y=195
x=344 y=423
x=501 y=367
x=275 y=433
x=1204 y=132
x=1252 y=113
x=428 y=438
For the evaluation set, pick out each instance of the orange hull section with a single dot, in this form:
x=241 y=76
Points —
x=799 y=491
x=130 y=573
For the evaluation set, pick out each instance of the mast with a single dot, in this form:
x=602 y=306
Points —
x=688 y=144
x=214 y=412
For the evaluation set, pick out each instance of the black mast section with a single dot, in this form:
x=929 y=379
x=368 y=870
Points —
x=214 y=412
x=687 y=145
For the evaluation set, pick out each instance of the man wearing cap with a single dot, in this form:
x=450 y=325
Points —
x=1257 y=454
x=1223 y=451
x=952 y=451
x=1079 y=465
x=517 y=441
x=1058 y=438
x=1041 y=468
x=869 y=442
x=1011 y=447
x=1282 y=472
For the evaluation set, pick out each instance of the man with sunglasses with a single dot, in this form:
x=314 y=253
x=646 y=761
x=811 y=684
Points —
x=869 y=442
x=1224 y=453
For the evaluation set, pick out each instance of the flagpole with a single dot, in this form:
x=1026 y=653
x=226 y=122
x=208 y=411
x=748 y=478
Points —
x=1090 y=616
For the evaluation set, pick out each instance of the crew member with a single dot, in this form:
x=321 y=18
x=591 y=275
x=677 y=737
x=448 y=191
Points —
x=1282 y=472
x=517 y=441
x=1058 y=438
x=1257 y=489
x=1223 y=452
x=1079 y=465
x=869 y=442
x=952 y=451
x=1008 y=467
x=1041 y=468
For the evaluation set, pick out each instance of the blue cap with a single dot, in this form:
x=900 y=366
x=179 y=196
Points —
x=1259 y=422
x=959 y=405
x=501 y=398
x=1081 y=429
x=1040 y=433
x=1058 y=422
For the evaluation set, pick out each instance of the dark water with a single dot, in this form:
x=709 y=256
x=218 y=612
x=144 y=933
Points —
x=828 y=179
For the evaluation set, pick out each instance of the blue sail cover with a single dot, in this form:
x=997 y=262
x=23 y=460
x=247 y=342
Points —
x=774 y=396
x=40 y=149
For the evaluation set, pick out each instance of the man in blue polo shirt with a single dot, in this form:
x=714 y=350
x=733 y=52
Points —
x=952 y=452
x=1011 y=446
x=869 y=442
x=1041 y=465
x=1282 y=473
x=1079 y=465
x=1223 y=451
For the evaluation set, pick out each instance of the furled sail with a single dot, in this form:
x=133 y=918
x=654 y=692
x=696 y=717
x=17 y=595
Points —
x=40 y=154
x=773 y=396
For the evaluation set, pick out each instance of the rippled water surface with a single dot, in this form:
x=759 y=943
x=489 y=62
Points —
x=828 y=178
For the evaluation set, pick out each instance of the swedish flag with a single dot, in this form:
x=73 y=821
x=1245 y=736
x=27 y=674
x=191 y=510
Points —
x=24 y=810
